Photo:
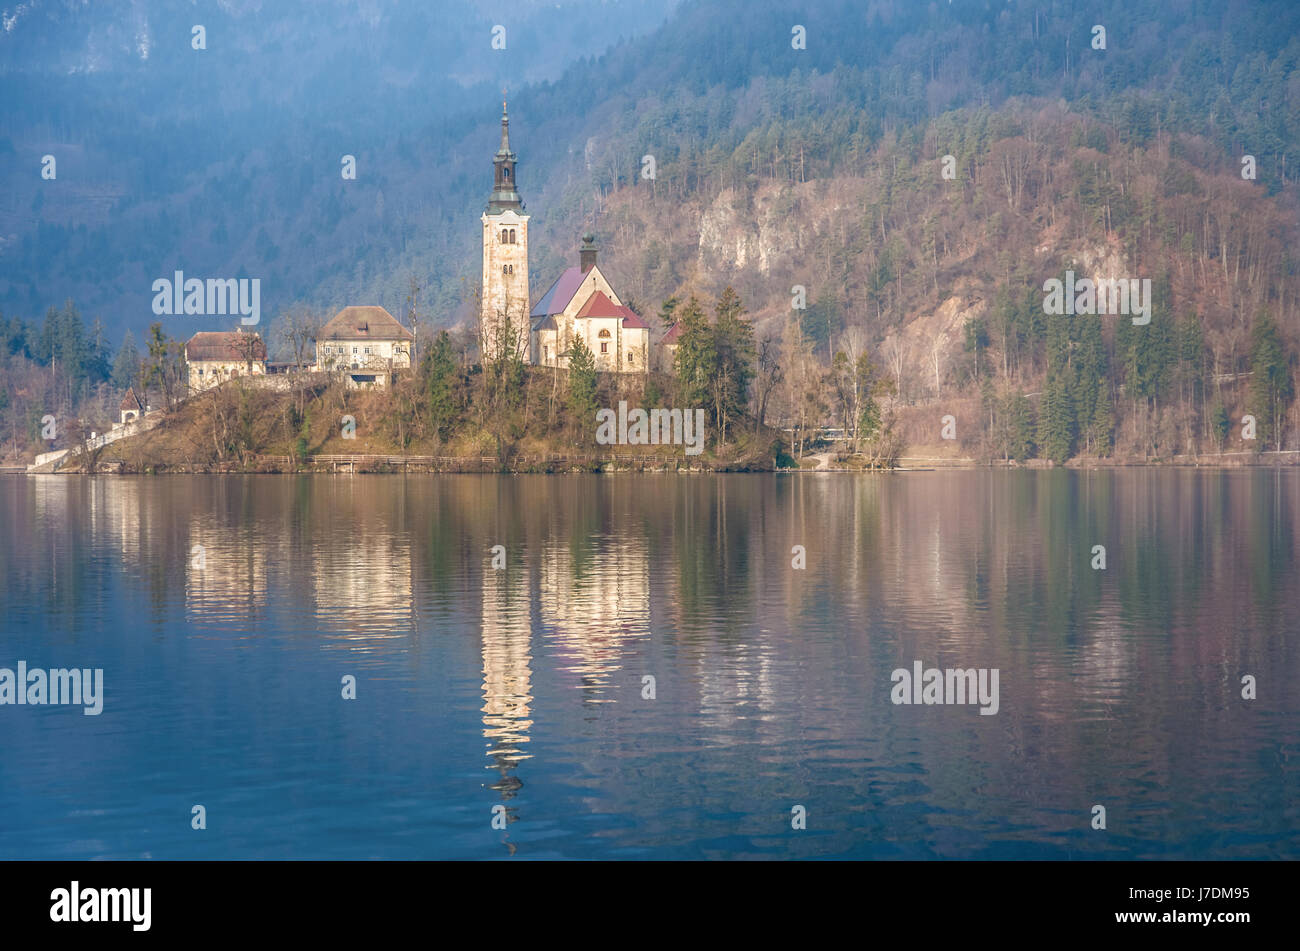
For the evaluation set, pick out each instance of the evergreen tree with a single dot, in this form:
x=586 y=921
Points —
x=666 y=313
x=696 y=357
x=1057 y=419
x=440 y=371
x=869 y=417
x=1101 y=429
x=734 y=349
x=98 y=365
x=126 y=366
x=1270 y=379
x=582 y=390
x=1020 y=428
x=1191 y=373
x=1088 y=384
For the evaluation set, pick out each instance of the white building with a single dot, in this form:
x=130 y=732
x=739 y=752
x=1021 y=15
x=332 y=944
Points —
x=366 y=343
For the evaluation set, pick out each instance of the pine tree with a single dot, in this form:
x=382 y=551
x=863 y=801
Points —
x=1056 y=421
x=440 y=397
x=1016 y=427
x=126 y=366
x=1088 y=378
x=696 y=358
x=734 y=349
x=1101 y=428
x=582 y=390
x=1270 y=379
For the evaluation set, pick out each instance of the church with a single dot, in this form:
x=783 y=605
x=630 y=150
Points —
x=580 y=305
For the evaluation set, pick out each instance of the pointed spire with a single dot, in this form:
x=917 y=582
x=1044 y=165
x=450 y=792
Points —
x=504 y=193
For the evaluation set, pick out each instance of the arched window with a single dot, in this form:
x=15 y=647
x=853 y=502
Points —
x=603 y=334
x=512 y=235
x=505 y=173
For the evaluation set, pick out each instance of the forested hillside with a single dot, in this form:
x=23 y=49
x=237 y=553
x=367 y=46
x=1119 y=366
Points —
x=779 y=168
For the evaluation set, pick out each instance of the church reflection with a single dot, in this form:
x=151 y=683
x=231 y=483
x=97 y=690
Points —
x=507 y=676
x=594 y=603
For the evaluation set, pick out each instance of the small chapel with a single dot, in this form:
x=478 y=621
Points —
x=580 y=304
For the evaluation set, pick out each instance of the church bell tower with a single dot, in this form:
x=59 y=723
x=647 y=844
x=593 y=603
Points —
x=503 y=322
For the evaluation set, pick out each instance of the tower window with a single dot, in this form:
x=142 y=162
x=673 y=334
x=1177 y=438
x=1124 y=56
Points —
x=512 y=235
x=505 y=172
x=604 y=347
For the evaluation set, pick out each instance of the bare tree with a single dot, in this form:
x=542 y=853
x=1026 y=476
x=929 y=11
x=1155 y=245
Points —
x=769 y=377
x=250 y=349
x=298 y=328
x=414 y=318
x=893 y=349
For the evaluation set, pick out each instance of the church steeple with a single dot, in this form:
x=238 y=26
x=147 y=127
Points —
x=505 y=130
x=504 y=323
x=504 y=193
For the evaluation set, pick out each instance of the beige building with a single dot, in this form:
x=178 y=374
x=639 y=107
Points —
x=366 y=343
x=212 y=357
x=582 y=304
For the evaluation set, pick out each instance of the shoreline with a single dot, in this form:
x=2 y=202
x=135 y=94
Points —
x=388 y=465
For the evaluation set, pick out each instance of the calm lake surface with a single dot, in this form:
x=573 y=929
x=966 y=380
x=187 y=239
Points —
x=523 y=687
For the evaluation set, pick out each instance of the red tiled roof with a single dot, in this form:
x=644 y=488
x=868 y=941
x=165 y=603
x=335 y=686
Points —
x=131 y=401
x=632 y=321
x=224 y=345
x=598 y=305
x=364 y=323
x=674 y=332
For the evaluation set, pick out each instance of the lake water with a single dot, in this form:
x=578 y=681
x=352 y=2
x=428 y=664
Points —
x=525 y=688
